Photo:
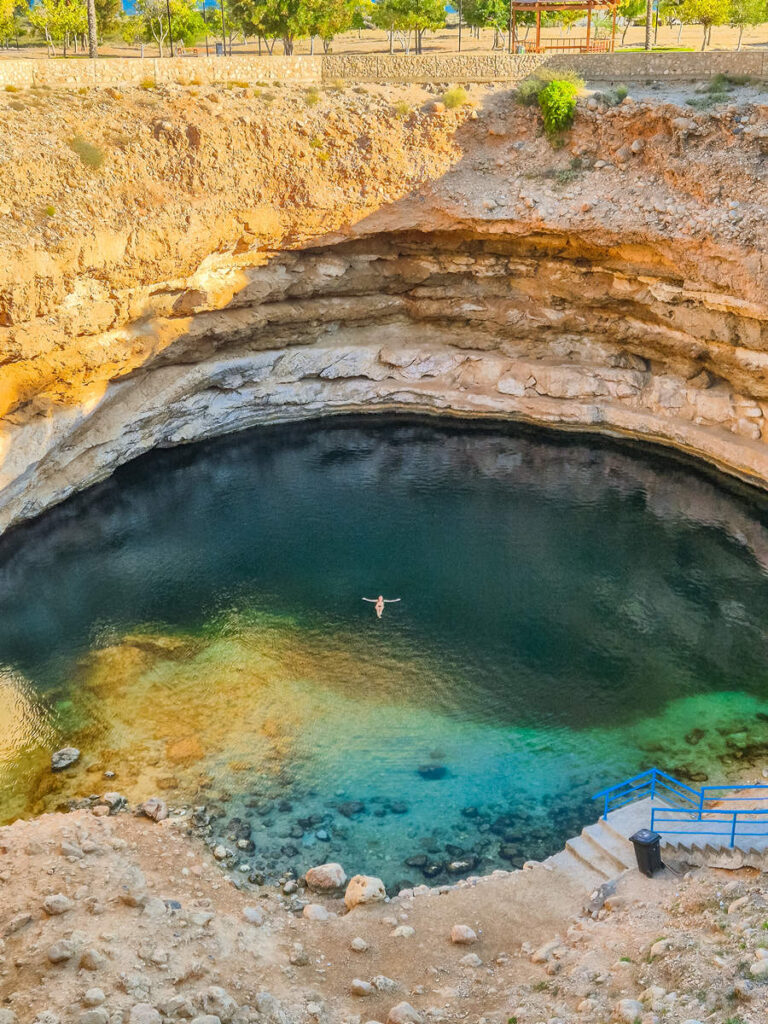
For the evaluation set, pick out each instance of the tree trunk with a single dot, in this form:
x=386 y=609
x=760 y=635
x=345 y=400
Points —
x=93 y=46
x=679 y=33
x=741 y=36
x=311 y=46
x=287 y=46
x=626 y=29
x=391 y=40
x=648 y=23
x=704 y=40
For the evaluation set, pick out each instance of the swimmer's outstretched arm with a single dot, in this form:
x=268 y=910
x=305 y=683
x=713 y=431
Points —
x=373 y=600
x=387 y=600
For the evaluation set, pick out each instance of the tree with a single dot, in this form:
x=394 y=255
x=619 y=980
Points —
x=328 y=18
x=187 y=21
x=488 y=14
x=747 y=13
x=58 y=20
x=406 y=16
x=705 y=13
x=629 y=11
x=7 y=20
x=108 y=14
x=648 y=23
x=93 y=42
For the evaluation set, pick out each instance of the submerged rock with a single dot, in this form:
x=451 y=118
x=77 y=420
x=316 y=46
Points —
x=64 y=758
x=432 y=771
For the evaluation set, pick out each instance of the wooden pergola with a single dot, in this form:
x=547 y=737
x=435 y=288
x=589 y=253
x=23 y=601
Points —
x=539 y=7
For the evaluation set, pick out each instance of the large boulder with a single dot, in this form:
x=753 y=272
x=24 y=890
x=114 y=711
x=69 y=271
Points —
x=326 y=878
x=364 y=889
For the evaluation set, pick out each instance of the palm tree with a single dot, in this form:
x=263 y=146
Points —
x=93 y=49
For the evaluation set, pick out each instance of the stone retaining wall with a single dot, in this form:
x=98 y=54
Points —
x=395 y=68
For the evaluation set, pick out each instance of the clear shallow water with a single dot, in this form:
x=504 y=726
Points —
x=571 y=613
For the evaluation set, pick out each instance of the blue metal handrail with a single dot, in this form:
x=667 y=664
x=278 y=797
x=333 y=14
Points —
x=647 y=783
x=693 y=809
x=719 y=816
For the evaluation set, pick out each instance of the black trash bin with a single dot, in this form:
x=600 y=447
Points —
x=219 y=49
x=647 y=846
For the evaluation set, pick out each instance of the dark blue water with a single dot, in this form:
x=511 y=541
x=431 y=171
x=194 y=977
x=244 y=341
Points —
x=570 y=612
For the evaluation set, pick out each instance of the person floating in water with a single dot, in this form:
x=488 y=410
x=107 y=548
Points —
x=379 y=602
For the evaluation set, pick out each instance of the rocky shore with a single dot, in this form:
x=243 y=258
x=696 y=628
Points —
x=117 y=919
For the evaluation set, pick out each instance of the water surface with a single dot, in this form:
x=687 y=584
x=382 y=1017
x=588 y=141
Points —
x=571 y=612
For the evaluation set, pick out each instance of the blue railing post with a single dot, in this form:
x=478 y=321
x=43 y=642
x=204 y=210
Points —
x=653 y=783
x=733 y=829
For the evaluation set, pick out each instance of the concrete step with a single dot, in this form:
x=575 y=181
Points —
x=619 y=850
x=570 y=865
x=593 y=856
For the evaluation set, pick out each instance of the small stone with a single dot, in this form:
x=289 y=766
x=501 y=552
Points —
x=432 y=771
x=358 y=945
x=114 y=801
x=254 y=915
x=326 y=878
x=628 y=1010
x=156 y=809
x=298 y=956
x=384 y=984
x=743 y=989
x=57 y=904
x=64 y=758
x=217 y=1001
x=660 y=948
x=463 y=935
x=350 y=809
x=544 y=953
x=94 y=997
x=314 y=912
x=92 y=960
x=358 y=987
x=471 y=960
x=364 y=889
x=404 y=1013
x=220 y=852
x=61 y=951
x=144 y=1013
x=8 y=1017
x=206 y=1018
x=759 y=969
x=403 y=931
x=179 y=1006
x=98 y=1016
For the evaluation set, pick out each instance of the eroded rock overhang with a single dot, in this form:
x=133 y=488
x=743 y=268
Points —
x=537 y=327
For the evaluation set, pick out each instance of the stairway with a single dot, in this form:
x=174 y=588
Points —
x=603 y=850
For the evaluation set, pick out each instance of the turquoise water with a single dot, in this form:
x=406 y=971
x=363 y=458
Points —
x=571 y=612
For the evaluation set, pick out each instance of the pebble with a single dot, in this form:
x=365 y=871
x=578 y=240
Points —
x=403 y=931
x=92 y=960
x=144 y=1013
x=217 y=1001
x=61 y=951
x=628 y=1010
x=384 y=984
x=358 y=987
x=471 y=960
x=57 y=904
x=220 y=852
x=314 y=912
x=98 y=1016
x=253 y=915
x=358 y=945
x=155 y=808
x=404 y=1013
x=463 y=935
x=94 y=997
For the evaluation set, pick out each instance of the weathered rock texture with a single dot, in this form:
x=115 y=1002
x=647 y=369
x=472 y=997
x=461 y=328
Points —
x=451 y=263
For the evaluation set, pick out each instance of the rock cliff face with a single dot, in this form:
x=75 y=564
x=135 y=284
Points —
x=448 y=263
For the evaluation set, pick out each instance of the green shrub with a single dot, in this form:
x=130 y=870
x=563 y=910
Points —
x=147 y=83
x=316 y=142
x=312 y=96
x=12 y=88
x=621 y=92
x=529 y=89
x=50 y=211
x=557 y=102
x=89 y=154
x=237 y=85
x=402 y=109
x=455 y=97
